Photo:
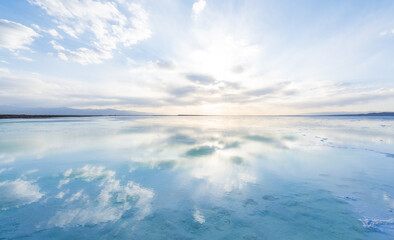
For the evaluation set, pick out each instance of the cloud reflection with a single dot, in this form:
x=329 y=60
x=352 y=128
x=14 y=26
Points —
x=18 y=192
x=219 y=150
x=196 y=164
x=112 y=202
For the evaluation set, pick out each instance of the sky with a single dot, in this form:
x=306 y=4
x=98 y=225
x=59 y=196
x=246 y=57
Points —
x=198 y=57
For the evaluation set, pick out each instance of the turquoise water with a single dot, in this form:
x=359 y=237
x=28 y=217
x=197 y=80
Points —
x=197 y=178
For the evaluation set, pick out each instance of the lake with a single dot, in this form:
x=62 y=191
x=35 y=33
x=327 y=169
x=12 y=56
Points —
x=197 y=177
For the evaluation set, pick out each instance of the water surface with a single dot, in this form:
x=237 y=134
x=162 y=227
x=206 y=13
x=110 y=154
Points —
x=197 y=178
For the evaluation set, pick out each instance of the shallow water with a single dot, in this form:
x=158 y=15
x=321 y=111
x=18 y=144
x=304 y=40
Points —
x=197 y=178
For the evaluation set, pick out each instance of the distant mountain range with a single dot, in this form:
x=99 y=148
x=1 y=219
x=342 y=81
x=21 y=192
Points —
x=377 y=114
x=8 y=110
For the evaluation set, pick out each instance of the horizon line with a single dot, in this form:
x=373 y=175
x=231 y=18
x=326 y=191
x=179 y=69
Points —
x=371 y=114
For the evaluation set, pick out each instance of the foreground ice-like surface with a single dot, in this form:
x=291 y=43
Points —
x=197 y=178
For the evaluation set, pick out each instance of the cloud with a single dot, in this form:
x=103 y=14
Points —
x=263 y=91
x=36 y=90
x=54 y=33
x=386 y=33
x=238 y=69
x=165 y=64
x=51 y=32
x=113 y=200
x=267 y=140
x=4 y=159
x=82 y=55
x=4 y=170
x=14 y=36
x=181 y=139
x=25 y=58
x=347 y=99
x=18 y=192
x=192 y=90
x=100 y=24
x=83 y=216
x=76 y=196
x=221 y=65
x=4 y=70
x=200 y=78
x=198 y=217
x=87 y=173
x=60 y=195
x=200 y=151
x=182 y=91
x=268 y=90
x=198 y=7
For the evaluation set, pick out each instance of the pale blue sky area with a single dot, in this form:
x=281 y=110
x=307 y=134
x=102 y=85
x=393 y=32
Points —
x=200 y=57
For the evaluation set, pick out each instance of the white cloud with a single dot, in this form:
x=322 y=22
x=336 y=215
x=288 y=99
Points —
x=82 y=216
x=60 y=195
x=107 y=25
x=51 y=32
x=87 y=173
x=198 y=7
x=5 y=159
x=111 y=203
x=386 y=33
x=4 y=70
x=348 y=96
x=25 y=58
x=68 y=30
x=82 y=55
x=198 y=217
x=113 y=191
x=76 y=196
x=54 y=33
x=388 y=199
x=31 y=171
x=4 y=170
x=19 y=192
x=15 y=36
